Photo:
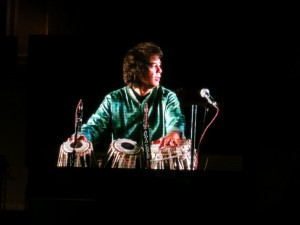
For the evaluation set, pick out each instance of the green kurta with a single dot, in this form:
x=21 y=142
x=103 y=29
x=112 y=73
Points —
x=121 y=114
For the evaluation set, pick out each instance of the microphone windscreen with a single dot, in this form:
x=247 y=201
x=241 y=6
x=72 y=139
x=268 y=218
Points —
x=204 y=92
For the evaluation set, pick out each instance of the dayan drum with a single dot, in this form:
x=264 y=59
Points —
x=81 y=156
x=124 y=153
x=173 y=158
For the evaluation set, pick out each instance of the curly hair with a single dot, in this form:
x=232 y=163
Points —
x=137 y=60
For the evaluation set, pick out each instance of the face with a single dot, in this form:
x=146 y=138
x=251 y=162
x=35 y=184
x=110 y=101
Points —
x=152 y=78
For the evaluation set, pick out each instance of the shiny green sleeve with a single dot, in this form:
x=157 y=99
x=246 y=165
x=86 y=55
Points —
x=165 y=114
x=175 y=120
x=98 y=124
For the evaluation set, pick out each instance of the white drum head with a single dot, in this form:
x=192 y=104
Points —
x=80 y=146
x=127 y=146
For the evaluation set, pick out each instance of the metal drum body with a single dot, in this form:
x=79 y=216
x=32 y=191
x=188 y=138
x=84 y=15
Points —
x=82 y=155
x=124 y=153
x=173 y=158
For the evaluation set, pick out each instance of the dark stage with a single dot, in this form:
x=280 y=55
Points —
x=77 y=194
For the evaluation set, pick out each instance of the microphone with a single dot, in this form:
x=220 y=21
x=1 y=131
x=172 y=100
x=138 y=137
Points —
x=78 y=123
x=79 y=109
x=78 y=116
x=206 y=94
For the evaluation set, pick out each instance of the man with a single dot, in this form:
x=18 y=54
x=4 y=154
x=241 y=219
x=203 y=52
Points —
x=142 y=111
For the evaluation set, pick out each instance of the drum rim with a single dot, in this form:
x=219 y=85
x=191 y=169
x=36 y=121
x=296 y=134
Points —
x=117 y=145
x=67 y=146
x=182 y=147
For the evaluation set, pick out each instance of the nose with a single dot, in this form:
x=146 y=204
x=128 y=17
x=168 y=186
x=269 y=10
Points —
x=158 y=69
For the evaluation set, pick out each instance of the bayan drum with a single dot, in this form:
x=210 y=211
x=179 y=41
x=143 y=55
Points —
x=173 y=158
x=81 y=156
x=124 y=153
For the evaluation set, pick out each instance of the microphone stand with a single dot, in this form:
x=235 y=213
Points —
x=193 y=133
x=200 y=161
x=205 y=94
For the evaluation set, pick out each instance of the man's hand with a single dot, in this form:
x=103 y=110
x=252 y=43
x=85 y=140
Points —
x=172 y=139
x=80 y=137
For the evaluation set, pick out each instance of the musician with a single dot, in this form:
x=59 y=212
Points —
x=121 y=112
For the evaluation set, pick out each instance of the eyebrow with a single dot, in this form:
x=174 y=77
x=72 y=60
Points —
x=157 y=63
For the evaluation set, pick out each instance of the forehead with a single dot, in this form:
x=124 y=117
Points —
x=155 y=59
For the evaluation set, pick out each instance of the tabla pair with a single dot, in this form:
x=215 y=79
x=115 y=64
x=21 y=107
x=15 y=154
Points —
x=125 y=153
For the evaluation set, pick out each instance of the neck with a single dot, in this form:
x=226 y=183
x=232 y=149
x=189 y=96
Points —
x=142 y=91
